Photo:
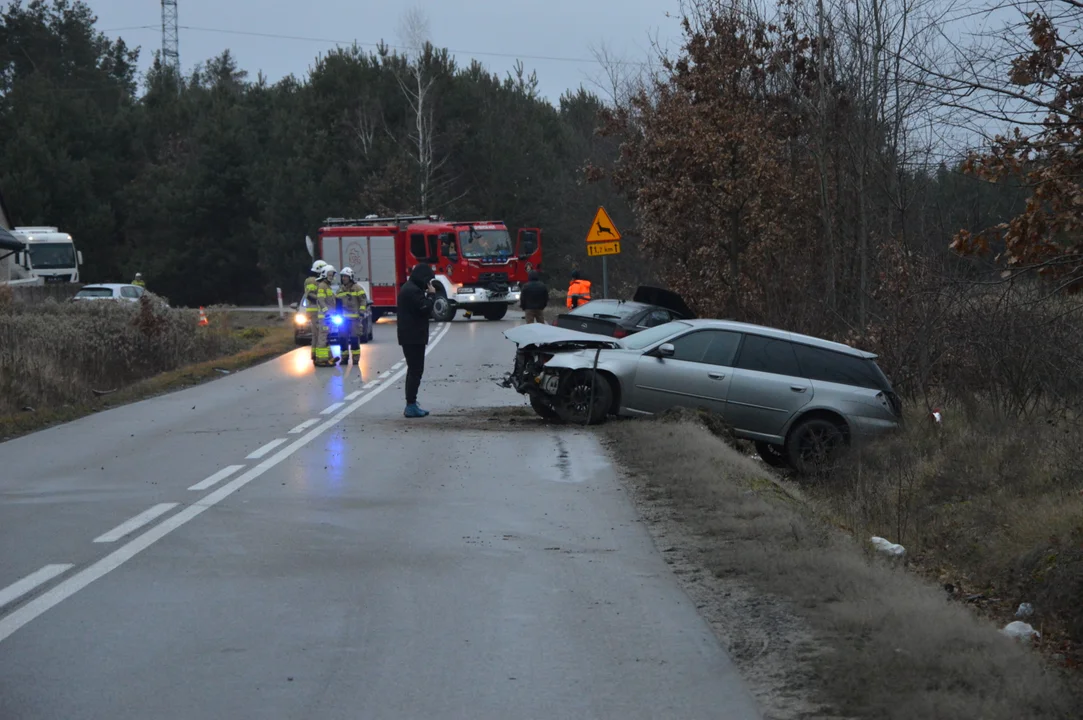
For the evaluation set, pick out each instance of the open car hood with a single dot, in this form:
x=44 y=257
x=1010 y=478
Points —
x=663 y=298
x=555 y=338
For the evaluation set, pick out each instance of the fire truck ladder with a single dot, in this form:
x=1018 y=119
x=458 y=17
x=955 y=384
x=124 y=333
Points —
x=401 y=220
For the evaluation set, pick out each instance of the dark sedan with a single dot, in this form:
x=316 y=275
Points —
x=620 y=318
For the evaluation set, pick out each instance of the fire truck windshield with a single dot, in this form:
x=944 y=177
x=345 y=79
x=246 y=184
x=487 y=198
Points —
x=485 y=243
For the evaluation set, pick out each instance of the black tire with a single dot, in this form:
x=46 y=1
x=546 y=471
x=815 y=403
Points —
x=442 y=309
x=815 y=444
x=544 y=409
x=773 y=455
x=574 y=406
x=495 y=312
x=300 y=341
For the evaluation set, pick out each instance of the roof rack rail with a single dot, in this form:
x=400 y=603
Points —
x=373 y=220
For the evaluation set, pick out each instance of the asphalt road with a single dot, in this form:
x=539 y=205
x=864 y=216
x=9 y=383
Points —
x=282 y=543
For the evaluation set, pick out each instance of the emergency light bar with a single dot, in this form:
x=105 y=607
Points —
x=397 y=220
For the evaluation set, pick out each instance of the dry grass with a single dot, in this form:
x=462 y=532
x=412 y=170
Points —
x=890 y=645
x=54 y=357
x=990 y=508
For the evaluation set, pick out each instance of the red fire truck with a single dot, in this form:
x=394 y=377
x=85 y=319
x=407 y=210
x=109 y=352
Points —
x=478 y=267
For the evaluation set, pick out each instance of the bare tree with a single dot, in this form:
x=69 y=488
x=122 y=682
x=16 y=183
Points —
x=417 y=83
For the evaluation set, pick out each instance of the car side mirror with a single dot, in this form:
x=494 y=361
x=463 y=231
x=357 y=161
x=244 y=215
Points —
x=666 y=350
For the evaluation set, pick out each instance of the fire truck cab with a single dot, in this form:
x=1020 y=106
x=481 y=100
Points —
x=479 y=267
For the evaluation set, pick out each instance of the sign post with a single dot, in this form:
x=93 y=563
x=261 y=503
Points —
x=281 y=309
x=603 y=240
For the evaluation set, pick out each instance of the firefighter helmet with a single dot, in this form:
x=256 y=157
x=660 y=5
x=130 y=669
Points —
x=318 y=266
x=327 y=271
x=346 y=272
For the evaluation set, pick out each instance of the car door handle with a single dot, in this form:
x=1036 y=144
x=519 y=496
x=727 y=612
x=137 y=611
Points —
x=798 y=388
x=715 y=376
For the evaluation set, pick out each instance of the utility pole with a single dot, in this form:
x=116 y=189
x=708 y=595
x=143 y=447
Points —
x=170 y=37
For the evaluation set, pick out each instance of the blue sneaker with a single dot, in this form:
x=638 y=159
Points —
x=424 y=412
x=413 y=411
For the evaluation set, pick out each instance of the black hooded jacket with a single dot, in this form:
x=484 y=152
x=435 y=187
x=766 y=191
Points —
x=534 y=295
x=415 y=307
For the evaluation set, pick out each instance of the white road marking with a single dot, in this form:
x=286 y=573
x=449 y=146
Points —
x=384 y=374
x=17 y=589
x=63 y=590
x=304 y=426
x=257 y=454
x=368 y=385
x=331 y=408
x=354 y=395
x=216 y=478
x=129 y=526
x=397 y=365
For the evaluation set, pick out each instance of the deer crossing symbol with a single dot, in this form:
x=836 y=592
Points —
x=602 y=229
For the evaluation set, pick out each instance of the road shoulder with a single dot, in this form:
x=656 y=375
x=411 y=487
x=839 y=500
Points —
x=815 y=624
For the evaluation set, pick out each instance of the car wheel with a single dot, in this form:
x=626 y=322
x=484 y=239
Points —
x=495 y=312
x=773 y=455
x=442 y=309
x=301 y=340
x=544 y=408
x=814 y=444
x=575 y=405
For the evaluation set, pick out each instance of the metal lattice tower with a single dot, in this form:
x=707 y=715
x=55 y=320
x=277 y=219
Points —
x=170 y=37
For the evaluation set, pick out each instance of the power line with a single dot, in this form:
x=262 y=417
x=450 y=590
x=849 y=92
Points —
x=331 y=41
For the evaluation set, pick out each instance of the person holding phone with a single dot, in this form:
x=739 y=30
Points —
x=414 y=311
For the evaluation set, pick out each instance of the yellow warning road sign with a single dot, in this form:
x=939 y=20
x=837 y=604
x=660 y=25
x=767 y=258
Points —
x=595 y=249
x=603 y=230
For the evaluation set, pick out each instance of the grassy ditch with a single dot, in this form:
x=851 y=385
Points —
x=61 y=361
x=860 y=637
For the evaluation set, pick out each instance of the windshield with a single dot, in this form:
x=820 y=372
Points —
x=605 y=308
x=655 y=334
x=94 y=292
x=485 y=243
x=49 y=256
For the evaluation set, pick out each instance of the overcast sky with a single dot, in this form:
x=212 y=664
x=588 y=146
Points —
x=553 y=37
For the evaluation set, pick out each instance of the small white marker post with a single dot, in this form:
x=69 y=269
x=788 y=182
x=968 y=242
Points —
x=281 y=308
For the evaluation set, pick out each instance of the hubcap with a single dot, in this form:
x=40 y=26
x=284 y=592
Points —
x=819 y=444
x=440 y=305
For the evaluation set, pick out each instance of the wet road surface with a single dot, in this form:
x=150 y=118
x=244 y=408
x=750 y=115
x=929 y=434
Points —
x=282 y=543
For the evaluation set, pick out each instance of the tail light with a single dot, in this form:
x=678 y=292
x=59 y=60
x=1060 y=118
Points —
x=620 y=333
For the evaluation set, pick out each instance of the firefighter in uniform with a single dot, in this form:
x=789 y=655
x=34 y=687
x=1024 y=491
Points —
x=312 y=306
x=578 y=290
x=139 y=281
x=325 y=301
x=353 y=301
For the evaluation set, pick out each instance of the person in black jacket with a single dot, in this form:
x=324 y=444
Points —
x=414 y=310
x=534 y=298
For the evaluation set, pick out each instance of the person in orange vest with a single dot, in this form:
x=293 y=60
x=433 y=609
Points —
x=578 y=290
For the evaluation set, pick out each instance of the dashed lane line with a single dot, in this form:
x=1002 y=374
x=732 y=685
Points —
x=65 y=589
x=216 y=478
x=129 y=526
x=257 y=454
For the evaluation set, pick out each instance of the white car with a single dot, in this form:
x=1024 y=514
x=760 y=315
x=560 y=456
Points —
x=110 y=291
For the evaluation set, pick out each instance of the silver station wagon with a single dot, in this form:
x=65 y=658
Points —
x=799 y=398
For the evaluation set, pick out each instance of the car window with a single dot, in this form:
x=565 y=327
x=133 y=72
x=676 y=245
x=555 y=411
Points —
x=604 y=308
x=713 y=347
x=128 y=292
x=769 y=355
x=723 y=348
x=94 y=293
x=651 y=336
x=656 y=317
x=830 y=366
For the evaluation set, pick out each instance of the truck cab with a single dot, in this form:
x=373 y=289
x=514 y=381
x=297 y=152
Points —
x=49 y=254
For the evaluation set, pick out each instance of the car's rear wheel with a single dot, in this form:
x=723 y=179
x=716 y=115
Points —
x=773 y=455
x=543 y=408
x=495 y=312
x=815 y=444
x=575 y=405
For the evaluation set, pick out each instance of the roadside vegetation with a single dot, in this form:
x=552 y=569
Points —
x=59 y=361
x=820 y=624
